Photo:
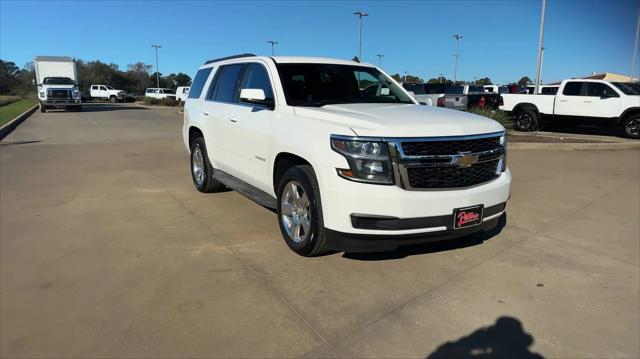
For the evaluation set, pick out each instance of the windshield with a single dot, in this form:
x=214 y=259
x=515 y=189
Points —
x=58 y=81
x=476 y=89
x=168 y=91
x=628 y=88
x=109 y=88
x=323 y=84
x=503 y=89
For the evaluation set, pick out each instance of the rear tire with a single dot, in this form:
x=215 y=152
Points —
x=300 y=212
x=527 y=120
x=202 y=170
x=631 y=126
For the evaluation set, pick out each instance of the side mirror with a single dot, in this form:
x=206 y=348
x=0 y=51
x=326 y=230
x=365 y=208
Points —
x=255 y=96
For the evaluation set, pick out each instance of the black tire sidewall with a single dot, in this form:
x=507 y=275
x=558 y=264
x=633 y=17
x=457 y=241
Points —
x=199 y=142
x=534 y=120
x=626 y=122
x=307 y=246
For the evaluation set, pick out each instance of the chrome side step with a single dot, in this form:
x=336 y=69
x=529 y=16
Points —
x=260 y=197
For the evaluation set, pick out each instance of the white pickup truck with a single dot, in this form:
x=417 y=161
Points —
x=348 y=159
x=580 y=100
x=105 y=92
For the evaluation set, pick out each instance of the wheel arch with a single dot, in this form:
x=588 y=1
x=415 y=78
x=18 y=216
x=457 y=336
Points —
x=526 y=106
x=194 y=132
x=628 y=112
x=284 y=161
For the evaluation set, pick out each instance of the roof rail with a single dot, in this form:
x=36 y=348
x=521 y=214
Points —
x=229 y=58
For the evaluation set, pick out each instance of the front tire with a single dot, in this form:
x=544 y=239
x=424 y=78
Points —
x=202 y=170
x=113 y=99
x=43 y=108
x=300 y=212
x=526 y=120
x=631 y=126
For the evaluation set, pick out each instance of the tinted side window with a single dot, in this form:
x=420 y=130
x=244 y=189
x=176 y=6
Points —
x=256 y=77
x=572 y=89
x=199 y=81
x=549 y=90
x=433 y=89
x=597 y=89
x=227 y=84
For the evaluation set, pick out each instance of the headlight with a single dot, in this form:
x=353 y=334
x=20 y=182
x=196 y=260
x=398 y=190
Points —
x=77 y=94
x=369 y=160
x=42 y=94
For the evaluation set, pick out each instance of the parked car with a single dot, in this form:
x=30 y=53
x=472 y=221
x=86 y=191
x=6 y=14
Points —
x=346 y=157
x=104 y=92
x=459 y=97
x=496 y=89
x=57 y=83
x=593 y=101
x=160 y=93
x=181 y=93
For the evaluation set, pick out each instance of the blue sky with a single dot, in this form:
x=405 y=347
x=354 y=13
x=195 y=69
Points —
x=500 y=37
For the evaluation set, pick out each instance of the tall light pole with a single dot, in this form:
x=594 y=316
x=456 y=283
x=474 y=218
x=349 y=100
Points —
x=273 y=47
x=441 y=76
x=541 y=61
x=634 y=61
x=457 y=55
x=157 y=70
x=380 y=56
x=405 y=77
x=540 y=47
x=360 y=14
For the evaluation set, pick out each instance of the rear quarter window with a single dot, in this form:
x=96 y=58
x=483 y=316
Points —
x=198 y=82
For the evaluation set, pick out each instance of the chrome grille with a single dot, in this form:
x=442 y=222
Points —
x=452 y=177
x=59 y=93
x=426 y=148
x=451 y=162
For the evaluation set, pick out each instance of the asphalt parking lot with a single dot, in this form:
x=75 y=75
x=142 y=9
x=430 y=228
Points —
x=107 y=250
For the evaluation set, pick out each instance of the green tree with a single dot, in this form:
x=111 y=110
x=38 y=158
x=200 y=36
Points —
x=8 y=73
x=524 y=81
x=484 y=81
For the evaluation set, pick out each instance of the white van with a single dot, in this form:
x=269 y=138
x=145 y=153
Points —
x=160 y=93
x=181 y=93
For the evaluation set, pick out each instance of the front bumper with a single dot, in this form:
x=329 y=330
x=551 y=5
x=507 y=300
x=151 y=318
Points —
x=343 y=199
x=62 y=102
x=350 y=242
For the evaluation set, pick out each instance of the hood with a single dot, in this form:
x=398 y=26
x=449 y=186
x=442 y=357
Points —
x=401 y=120
x=59 y=86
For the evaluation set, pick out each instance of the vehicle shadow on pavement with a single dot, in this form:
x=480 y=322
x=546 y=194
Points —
x=425 y=248
x=504 y=339
x=583 y=129
x=106 y=107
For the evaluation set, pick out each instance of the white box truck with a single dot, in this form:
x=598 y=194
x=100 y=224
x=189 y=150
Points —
x=57 y=81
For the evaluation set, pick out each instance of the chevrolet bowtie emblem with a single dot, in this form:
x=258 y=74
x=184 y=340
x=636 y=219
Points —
x=464 y=160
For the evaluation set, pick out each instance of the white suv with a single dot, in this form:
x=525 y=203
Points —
x=347 y=158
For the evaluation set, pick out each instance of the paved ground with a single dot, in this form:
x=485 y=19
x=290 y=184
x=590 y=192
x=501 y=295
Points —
x=106 y=250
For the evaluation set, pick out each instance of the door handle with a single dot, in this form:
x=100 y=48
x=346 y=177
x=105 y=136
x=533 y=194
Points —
x=562 y=100
x=233 y=119
x=587 y=102
x=206 y=113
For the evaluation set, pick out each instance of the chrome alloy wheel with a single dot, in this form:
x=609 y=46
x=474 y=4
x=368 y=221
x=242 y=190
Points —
x=295 y=212
x=197 y=166
x=632 y=128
